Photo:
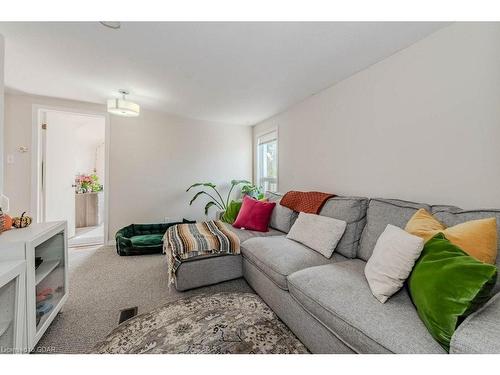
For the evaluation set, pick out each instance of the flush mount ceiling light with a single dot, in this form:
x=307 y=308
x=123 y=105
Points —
x=111 y=24
x=123 y=107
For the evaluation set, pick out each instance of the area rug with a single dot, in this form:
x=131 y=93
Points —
x=208 y=323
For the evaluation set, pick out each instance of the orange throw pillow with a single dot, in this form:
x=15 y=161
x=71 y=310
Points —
x=478 y=238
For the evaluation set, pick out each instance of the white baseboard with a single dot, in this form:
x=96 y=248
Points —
x=111 y=243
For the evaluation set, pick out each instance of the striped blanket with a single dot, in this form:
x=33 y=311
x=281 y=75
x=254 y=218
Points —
x=204 y=239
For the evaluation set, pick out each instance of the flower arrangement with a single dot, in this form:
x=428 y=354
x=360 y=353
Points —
x=87 y=183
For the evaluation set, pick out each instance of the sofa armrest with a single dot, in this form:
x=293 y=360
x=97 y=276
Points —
x=479 y=332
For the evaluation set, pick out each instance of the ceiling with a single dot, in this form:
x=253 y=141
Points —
x=236 y=73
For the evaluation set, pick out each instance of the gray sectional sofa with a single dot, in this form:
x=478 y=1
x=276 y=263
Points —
x=327 y=303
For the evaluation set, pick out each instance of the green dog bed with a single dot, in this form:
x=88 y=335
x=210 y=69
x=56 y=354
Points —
x=138 y=239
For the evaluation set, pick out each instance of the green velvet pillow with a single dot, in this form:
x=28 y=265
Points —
x=446 y=285
x=232 y=212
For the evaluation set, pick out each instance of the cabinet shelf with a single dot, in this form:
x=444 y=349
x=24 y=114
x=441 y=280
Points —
x=12 y=305
x=48 y=241
x=45 y=269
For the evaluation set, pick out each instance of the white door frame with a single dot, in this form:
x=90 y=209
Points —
x=36 y=157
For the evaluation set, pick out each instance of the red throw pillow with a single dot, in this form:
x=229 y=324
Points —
x=254 y=214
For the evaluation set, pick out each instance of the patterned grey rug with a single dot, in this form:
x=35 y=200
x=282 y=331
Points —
x=208 y=323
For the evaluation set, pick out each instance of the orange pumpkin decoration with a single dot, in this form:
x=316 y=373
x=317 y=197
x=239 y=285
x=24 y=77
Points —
x=7 y=222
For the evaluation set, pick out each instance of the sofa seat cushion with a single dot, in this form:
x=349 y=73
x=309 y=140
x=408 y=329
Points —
x=244 y=234
x=147 y=240
x=338 y=295
x=279 y=257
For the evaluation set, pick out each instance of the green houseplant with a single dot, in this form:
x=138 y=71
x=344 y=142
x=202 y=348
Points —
x=252 y=191
x=230 y=207
x=214 y=195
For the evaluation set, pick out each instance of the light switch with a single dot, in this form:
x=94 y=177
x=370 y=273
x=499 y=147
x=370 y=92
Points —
x=10 y=159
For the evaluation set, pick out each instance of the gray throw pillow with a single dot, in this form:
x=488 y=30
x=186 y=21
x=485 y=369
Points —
x=282 y=217
x=320 y=233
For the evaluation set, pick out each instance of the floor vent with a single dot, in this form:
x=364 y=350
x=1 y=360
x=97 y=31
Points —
x=126 y=314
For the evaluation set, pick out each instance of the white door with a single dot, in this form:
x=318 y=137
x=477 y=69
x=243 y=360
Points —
x=59 y=168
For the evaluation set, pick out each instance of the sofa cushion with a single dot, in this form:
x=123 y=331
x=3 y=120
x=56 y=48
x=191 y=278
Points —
x=446 y=285
x=254 y=214
x=392 y=261
x=232 y=211
x=352 y=210
x=479 y=333
x=380 y=213
x=320 y=233
x=245 y=234
x=478 y=238
x=451 y=215
x=338 y=295
x=279 y=257
x=282 y=217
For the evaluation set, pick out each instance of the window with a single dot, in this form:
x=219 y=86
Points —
x=267 y=161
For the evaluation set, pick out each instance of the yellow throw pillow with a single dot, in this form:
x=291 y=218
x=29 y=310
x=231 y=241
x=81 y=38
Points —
x=478 y=238
x=424 y=225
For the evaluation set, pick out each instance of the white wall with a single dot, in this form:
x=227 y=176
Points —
x=153 y=159
x=156 y=156
x=2 y=100
x=422 y=125
x=85 y=158
x=89 y=151
x=18 y=132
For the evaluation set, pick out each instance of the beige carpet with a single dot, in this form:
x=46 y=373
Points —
x=103 y=283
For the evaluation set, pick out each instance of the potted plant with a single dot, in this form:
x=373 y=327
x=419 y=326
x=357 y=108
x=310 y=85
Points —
x=228 y=206
x=252 y=191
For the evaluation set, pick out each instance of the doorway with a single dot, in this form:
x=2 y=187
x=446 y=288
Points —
x=71 y=173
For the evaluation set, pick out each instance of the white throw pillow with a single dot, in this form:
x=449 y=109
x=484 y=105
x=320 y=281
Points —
x=393 y=258
x=320 y=233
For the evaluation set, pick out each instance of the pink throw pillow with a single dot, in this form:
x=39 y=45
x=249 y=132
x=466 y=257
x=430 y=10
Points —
x=254 y=214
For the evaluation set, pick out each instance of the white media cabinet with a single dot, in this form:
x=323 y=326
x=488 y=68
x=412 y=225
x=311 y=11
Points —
x=46 y=287
x=12 y=306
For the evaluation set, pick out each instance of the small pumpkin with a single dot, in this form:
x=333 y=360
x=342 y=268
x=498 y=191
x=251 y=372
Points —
x=22 y=222
x=7 y=222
